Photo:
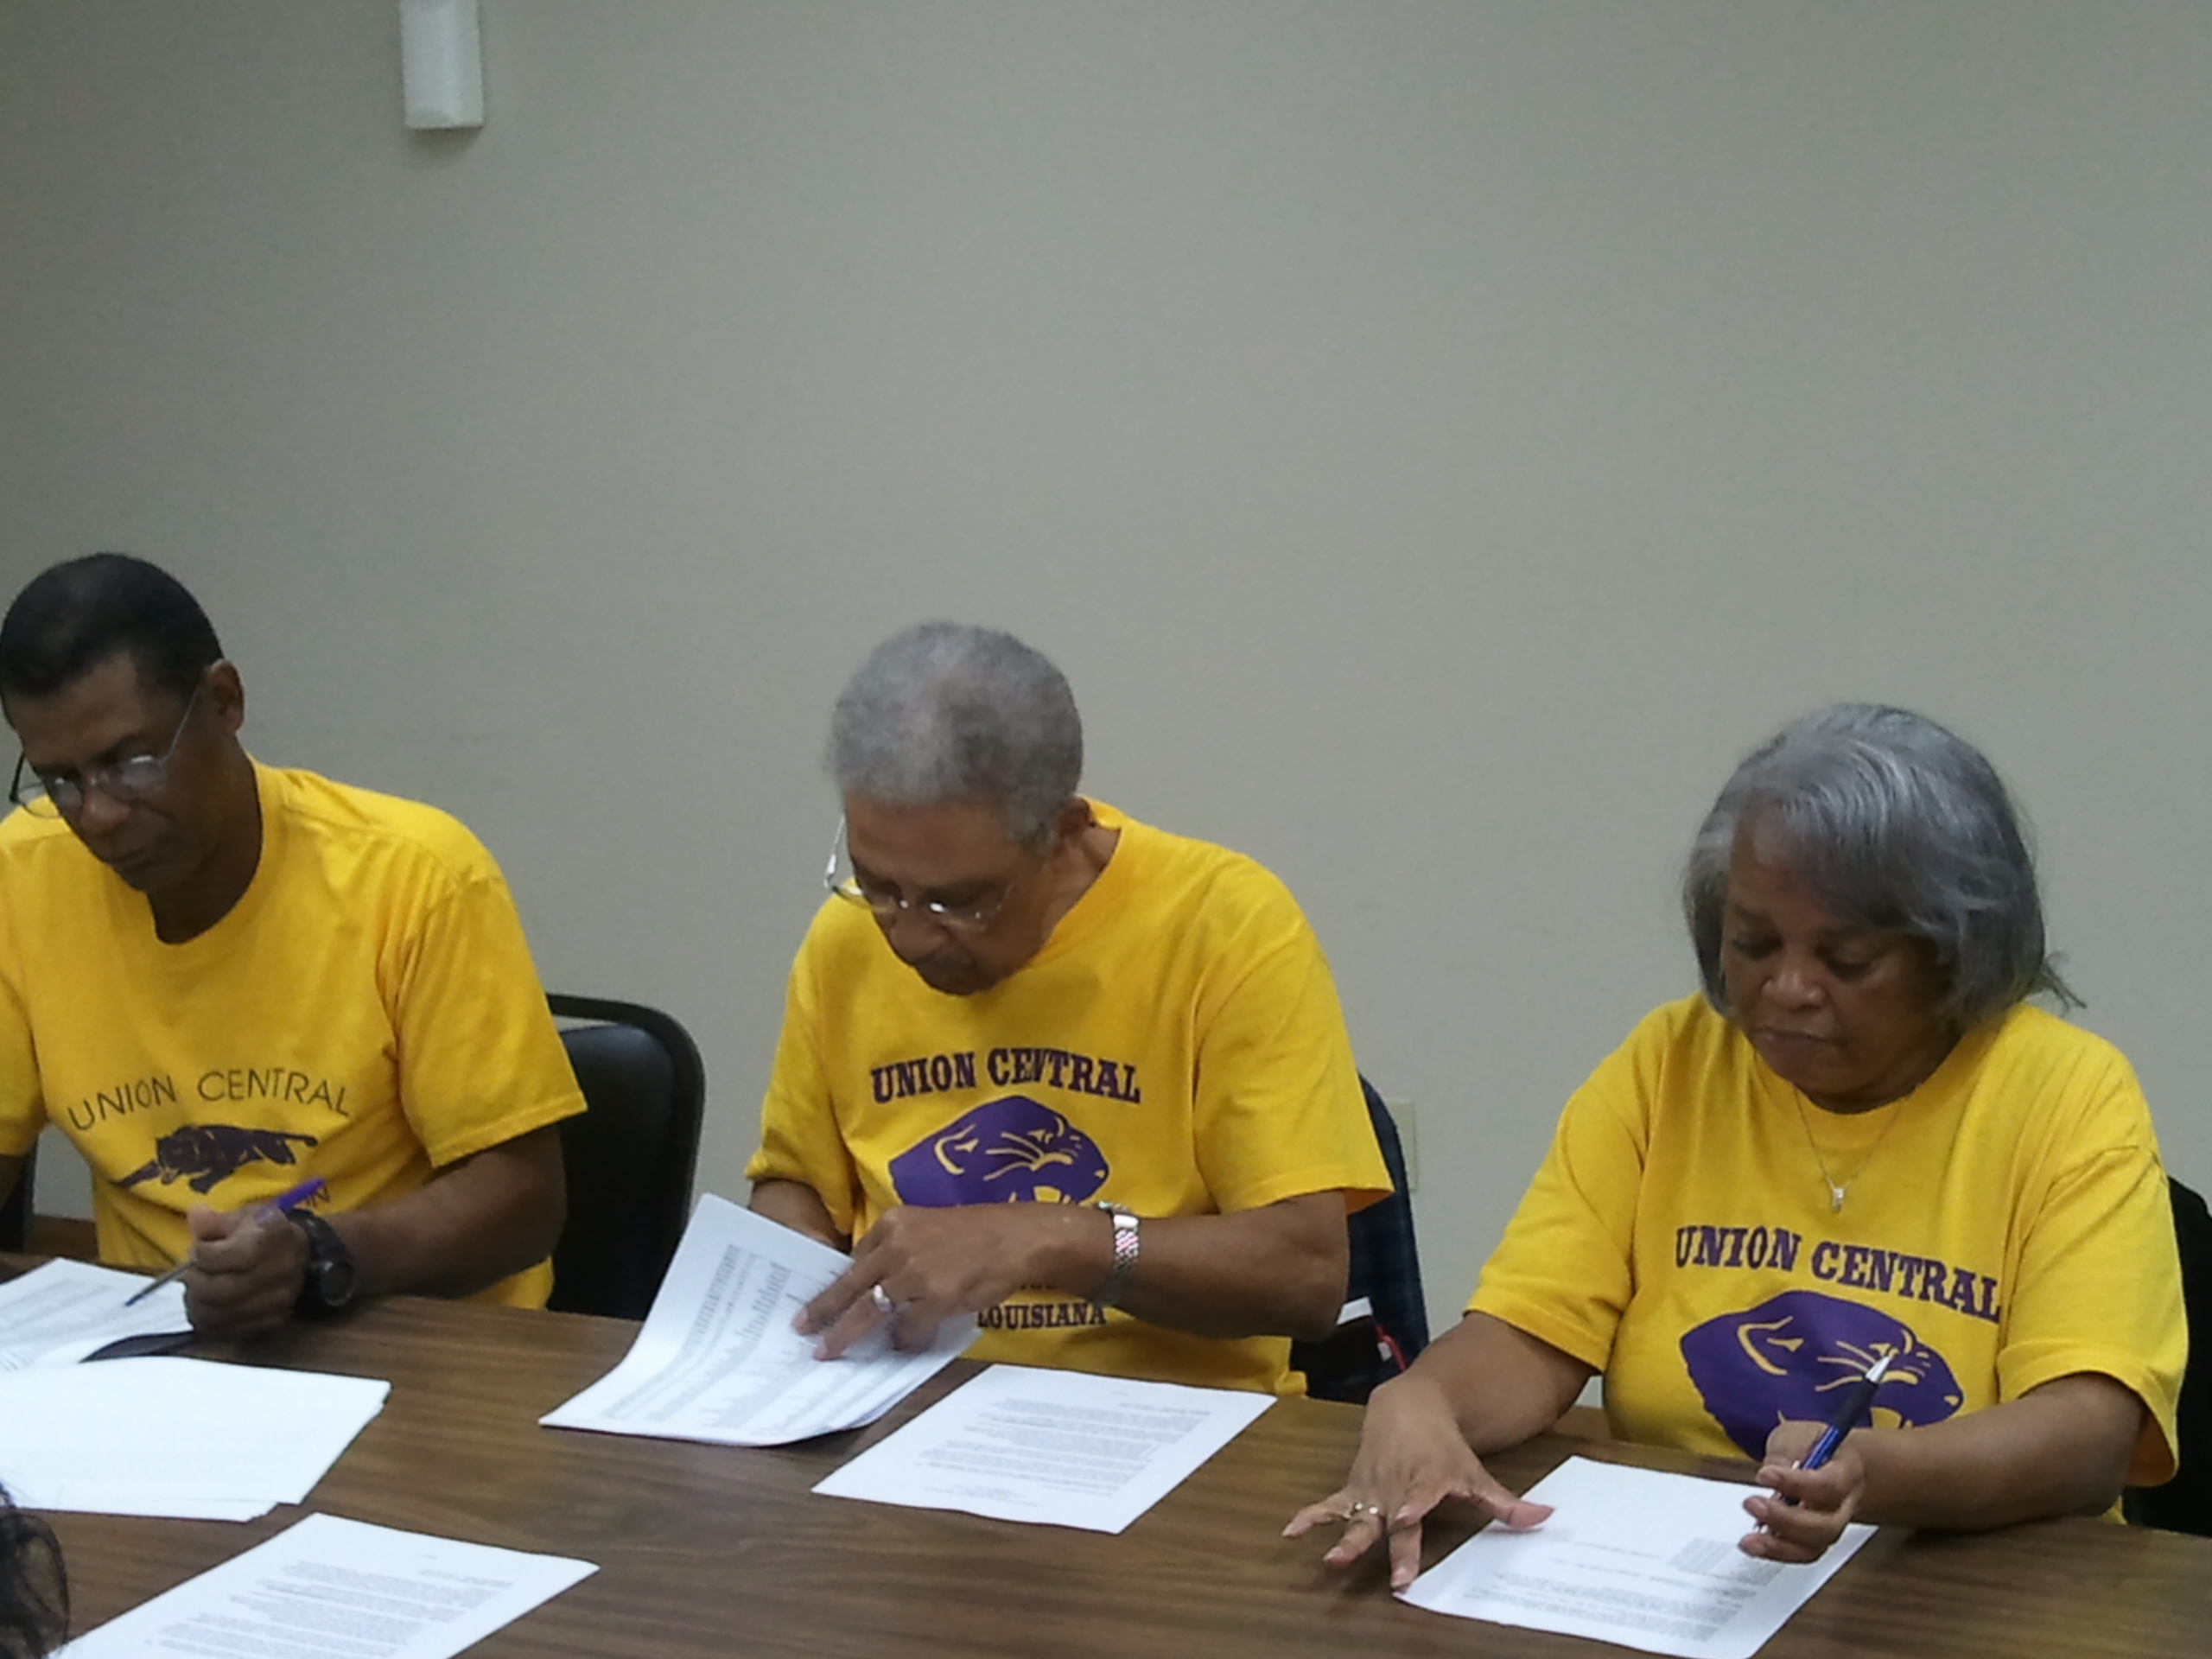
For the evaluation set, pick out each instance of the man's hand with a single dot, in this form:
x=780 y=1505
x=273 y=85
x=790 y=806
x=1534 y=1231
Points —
x=930 y=1264
x=1811 y=1507
x=470 y=1225
x=247 y=1271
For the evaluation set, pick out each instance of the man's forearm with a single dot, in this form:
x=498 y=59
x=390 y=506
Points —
x=799 y=1207
x=485 y=1219
x=1278 y=1270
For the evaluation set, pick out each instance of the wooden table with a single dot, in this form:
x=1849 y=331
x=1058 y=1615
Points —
x=712 y=1550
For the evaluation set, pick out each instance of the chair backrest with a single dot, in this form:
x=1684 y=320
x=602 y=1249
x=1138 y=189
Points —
x=630 y=1157
x=1372 y=1348
x=2185 y=1503
x=15 y=1213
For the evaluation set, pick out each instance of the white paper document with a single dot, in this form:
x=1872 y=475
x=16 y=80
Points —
x=329 y=1586
x=184 y=1438
x=717 y=1359
x=1633 y=1556
x=67 y=1311
x=1023 y=1444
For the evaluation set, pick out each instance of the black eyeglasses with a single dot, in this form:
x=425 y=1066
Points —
x=131 y=779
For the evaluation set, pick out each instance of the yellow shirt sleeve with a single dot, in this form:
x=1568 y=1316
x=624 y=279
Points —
x=1564 y=1271
x=800 y=1139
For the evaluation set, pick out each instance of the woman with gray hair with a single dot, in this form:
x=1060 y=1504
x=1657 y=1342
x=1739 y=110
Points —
x=1860 y=1144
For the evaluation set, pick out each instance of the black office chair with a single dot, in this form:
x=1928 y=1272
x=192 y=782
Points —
x=2185 y=1503
x=630 y=1158
x=1370 y=1348
x=16 y=1214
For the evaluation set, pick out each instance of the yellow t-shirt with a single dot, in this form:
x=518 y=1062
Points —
x=366 y=1013
x=2005 y=1224
x=1175 y=1046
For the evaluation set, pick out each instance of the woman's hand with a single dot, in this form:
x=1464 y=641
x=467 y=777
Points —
x=1411 y=1457
x=1811 y=1507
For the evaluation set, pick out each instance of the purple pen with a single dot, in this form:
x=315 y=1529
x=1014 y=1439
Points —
x=282 y=1205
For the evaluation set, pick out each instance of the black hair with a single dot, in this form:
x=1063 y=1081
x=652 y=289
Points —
x=33 y=1593
x=73 y=617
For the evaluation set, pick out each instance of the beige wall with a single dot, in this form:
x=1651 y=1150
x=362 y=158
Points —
x=1435 y=440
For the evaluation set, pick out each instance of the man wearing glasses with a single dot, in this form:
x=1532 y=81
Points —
x=1049 y=1066
x=221 y=980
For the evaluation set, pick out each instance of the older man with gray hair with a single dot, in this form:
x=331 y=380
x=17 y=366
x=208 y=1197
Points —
x=1047 y=1065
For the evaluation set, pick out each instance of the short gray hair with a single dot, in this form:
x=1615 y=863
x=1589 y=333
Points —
x=1894 y=823
x=943 y=712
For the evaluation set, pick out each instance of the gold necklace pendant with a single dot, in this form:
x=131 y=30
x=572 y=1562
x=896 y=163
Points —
x=1837 y=1189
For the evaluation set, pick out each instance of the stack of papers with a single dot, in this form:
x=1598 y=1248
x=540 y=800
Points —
x=175 y=1437
x=330 y=1586
x=1633 y=1556
x=67 y=1310
x=1022 y=1444
x=154 y=1436
x=717 y=1359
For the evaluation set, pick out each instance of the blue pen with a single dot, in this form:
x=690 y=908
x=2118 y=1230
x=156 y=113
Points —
x=1861 y=1396
x=282 y=1205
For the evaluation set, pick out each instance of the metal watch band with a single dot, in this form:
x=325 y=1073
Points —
x=1126 y=1246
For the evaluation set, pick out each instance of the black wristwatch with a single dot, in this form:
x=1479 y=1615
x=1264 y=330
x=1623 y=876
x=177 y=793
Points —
x=330 y=1266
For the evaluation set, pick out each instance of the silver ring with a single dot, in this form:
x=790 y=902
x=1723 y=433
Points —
x=1363 y=1512
x=881 y=1297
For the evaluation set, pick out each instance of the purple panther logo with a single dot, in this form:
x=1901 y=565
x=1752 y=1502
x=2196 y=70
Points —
x=1004 y=1151
x=203 y=1155
x=1787 y=1356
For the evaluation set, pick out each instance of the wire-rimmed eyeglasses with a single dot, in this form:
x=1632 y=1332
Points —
x=838 y=876
x=133 y=778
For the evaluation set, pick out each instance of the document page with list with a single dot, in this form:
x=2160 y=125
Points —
x=1024 y=1444
x=1633 y=1556
x=717 y=1359
x=329 y=1587
x=65 y=1311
